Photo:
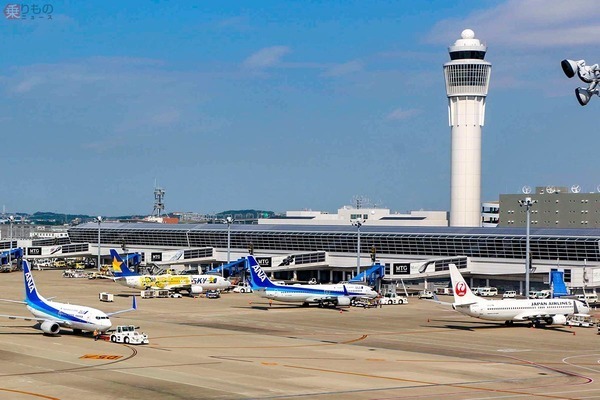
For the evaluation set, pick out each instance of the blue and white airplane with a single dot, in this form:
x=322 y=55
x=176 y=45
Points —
x=53 y=315
x=336 y=294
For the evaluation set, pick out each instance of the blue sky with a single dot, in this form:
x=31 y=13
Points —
x=283 y=105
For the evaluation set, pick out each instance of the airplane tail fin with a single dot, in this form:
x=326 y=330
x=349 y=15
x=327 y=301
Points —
x=31 y=293
x=258 y=277
x=119 y=267
x=462 y=292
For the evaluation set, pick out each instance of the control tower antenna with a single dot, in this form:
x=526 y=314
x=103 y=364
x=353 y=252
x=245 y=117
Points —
x=467 y=82
x=159 y=205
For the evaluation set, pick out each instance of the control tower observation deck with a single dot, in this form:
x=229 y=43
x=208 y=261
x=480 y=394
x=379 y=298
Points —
x=467 y=81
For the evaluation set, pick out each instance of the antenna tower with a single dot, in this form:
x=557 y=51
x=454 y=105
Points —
x=159 y=205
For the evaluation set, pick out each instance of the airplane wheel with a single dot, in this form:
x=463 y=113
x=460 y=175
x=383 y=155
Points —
x=113 y=339
x=126 y=340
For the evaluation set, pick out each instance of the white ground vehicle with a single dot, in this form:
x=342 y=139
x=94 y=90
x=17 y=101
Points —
x=509 y=294
x=426 y=294
x=488 y=291
x=128 y=335
x=392 y=298
x=591 y=298
x=543 y=294
x=241 y=288
x=584 y=320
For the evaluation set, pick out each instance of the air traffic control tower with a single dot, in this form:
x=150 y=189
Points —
x=467 y=81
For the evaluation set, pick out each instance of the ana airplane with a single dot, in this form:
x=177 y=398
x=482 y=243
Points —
x=193 y=284
x=337 y=294
x=53 y=315
x=536 y=312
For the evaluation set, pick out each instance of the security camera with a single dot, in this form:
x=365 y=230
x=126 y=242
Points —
x=588 y=74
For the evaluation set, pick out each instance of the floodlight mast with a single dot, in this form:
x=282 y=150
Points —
x=358 y=223
x=98 y=219
x=527 y=203
x=589 y=74
x=11 y=219
x=228 y=221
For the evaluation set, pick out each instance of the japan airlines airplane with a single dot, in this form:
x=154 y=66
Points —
x=193 y=284
x=53 y=315
x=548 y=311
x=337 y=295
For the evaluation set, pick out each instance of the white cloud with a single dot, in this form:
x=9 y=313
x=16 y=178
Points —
x=349 y=67
x=521 y=24
x=267 y=57
x=27 y=84
x=400 y=114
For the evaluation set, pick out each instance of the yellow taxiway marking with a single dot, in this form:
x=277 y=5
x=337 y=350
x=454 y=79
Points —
x=101 y=356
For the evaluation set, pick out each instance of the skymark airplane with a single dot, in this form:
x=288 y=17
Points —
x=337 y=294
x=53 y=315
x=548 y=311
x=193 y=284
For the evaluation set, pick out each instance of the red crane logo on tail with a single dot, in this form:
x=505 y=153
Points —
x=460 y=289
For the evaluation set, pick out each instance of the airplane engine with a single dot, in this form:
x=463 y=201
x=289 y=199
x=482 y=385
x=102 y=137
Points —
x=557 y=320
x=343 y=301
x=196 y=289
x=49 y=327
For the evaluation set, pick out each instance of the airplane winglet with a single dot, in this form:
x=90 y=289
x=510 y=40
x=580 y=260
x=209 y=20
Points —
x=133 y=308
x=345 y=291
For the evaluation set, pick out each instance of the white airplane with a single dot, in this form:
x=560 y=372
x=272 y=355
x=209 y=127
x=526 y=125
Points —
x=337 y=294
x=193 y=284
x=536 y=312
x=53 y=315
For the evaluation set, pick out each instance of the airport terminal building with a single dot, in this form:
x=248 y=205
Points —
x=489 y=256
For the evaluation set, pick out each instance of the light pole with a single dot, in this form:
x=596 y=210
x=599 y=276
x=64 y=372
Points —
x=527 y=203
x=99 y=221
x=358 y=223
x=11 y=219
x=229 y=221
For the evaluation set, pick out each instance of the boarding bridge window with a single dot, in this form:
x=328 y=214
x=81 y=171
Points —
x=387 y=269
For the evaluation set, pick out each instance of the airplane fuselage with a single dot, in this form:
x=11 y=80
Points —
x=168 y=281
x=71 y=315
x=314 y=293
x=520 y=310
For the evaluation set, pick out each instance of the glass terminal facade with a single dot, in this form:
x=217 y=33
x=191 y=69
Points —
x=495 y=243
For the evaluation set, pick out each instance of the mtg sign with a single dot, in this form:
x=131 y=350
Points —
x=264 y=262
x=34 y=251
x=401 y=269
